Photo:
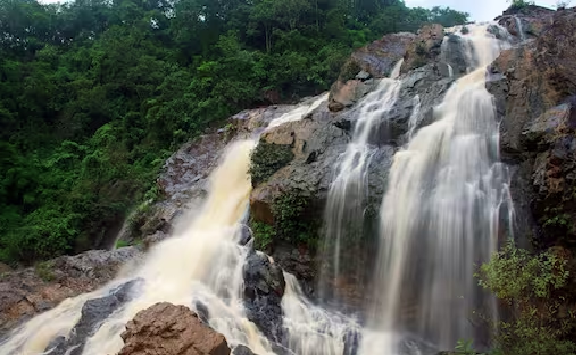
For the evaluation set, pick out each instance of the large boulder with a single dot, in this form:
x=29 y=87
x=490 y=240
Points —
x=166 y=329
x=26 y=292
x=263 y=289
x=346 y=94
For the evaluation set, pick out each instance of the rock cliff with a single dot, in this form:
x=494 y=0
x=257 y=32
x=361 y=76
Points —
x=534 y=87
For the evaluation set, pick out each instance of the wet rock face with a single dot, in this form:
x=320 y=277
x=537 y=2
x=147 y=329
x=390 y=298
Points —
x=166 y=329
x=346 y=94
x=316 y=144
x=93 y=313
x=379 y=57
x=426 y=47
x=263 y=290
x=424 y=88
x=375 y=60
x=23 y=293
x=534 y=88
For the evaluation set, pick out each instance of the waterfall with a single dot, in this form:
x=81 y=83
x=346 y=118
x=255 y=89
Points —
x=440 y=216
x=312 y=330
x=202 y=261
x=299 y=112
x=344 y=214
x=521 y=32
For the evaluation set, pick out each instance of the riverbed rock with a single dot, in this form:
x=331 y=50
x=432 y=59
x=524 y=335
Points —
x=94 y=311
x=26 y=292
x=263 y=290
x=166 y=329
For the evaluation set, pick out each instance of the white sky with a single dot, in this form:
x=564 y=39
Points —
x=479 y=10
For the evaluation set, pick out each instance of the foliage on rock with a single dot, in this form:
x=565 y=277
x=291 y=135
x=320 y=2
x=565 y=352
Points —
x=291 y=216
x=293 y=222
x=266 y=159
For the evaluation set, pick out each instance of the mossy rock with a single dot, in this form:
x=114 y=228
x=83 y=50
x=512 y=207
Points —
x=294 y=222
x=268 y=158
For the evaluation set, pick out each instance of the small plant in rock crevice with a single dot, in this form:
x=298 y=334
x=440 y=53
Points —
x=44 y=269
x=263 y=233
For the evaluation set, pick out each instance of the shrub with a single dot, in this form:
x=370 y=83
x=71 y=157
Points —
x=266 y=159
x=534 y=286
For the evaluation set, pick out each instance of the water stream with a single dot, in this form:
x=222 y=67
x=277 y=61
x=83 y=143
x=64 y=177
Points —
x=344 y=213
x=441 y=214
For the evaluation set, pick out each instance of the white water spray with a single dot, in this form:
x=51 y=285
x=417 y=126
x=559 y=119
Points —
x=345 y=204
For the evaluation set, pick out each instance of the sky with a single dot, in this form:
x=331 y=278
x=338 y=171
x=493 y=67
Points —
x=479 y=10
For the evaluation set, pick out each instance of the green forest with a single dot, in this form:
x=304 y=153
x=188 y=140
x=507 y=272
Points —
x=95 y=94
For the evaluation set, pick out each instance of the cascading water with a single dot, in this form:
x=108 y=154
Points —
x=201 y=262
x=440 y=215
x=299 y=112
x=520 y=28
x=344 y=214
x=312 y=330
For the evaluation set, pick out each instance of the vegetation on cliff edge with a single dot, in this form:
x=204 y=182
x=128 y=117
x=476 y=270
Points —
x=95 y=94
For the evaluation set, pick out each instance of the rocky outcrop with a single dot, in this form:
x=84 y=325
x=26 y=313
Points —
x=375 y=60
x=426 y=47
x=166 y=329
x=422 y=90
x=534 y=87
x=263 y=290
x=23 y=293
x=379 y=57
x=526 y=21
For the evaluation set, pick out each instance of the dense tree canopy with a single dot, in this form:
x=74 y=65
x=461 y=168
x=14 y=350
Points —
x=95 y=93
